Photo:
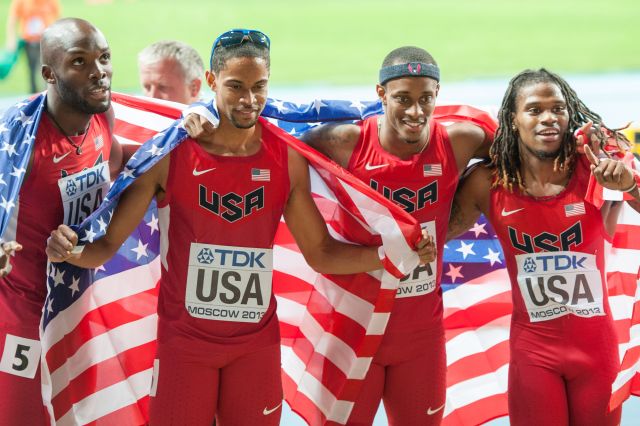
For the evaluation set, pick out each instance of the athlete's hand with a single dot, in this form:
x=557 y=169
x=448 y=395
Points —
x=198 y=126
x=61 y=243
x=610 y=173
x=426 y=248
x=586 y=136
x=7 y=249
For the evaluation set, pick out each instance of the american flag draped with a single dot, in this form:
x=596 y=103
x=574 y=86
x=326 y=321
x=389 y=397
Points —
x=99 y=326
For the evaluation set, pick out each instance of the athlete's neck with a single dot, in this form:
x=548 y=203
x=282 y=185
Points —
x=71 y=121
x=229 y=140
x=394 y=145
x=541 y=177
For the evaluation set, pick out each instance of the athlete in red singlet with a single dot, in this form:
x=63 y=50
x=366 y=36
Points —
x=415 y=162
x=221 y=198
x=564 y=350
x=67 y=177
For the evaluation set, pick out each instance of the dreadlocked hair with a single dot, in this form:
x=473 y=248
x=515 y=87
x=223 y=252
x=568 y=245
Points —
x=505 y=154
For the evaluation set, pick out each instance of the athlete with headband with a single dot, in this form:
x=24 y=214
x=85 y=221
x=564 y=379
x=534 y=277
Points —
x=219 y=353
x=414 y=161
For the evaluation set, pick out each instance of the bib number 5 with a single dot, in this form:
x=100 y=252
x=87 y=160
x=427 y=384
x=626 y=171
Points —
x=21 y=356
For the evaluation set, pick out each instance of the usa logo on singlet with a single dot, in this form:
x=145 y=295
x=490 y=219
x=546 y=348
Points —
x=410 y=200
x=231 y=206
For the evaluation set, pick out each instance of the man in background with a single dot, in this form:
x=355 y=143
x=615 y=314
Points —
x=171 y=70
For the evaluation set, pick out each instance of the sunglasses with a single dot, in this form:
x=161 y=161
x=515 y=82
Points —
x=237 y=37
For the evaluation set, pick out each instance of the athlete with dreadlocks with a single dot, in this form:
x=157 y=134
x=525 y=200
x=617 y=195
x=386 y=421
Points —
x=564 y=352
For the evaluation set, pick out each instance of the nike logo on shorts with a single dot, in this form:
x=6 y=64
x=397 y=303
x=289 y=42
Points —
x=56 y=159
x=509 y=213
x=372 y=167
x=197 y=172
x=266 y=411
x=431 y=412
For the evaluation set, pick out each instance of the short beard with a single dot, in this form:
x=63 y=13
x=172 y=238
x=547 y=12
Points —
x=543 y=155
x=237 y=125
x=77 y=102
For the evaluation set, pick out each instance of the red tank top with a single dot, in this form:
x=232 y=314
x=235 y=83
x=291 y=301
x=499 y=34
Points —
x=62 y=187
x=423 y=186
x=553 y=248
x=218 y=222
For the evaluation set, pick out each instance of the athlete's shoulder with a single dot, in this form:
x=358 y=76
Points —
x=333 y=133
x=336 y=140
x=480 y=173
x=465 y=130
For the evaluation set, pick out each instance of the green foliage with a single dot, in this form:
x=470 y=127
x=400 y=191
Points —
x=344 y=42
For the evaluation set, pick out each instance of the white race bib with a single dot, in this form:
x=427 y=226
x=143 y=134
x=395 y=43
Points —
x=21 y=356
x=554 y=284
x=421 y=280
x=81 y=193
x=227 y=283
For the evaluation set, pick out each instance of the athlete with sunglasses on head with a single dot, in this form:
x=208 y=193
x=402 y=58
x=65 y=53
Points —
x=220 y=199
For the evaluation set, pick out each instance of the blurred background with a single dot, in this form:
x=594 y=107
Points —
x=334 y=48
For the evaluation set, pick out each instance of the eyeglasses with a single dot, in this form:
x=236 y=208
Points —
x=237 y=37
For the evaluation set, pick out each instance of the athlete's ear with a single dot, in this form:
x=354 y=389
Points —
x=211 y=80
x=382 y=94
x=437 y=89
x=48 y=74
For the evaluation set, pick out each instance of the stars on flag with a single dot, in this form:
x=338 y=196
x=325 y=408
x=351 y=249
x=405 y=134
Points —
x=17 y=172
x=493 y=256
x=153 y=224
x=454 y=272
x=465 y=249
x=74 y=286
x=140 y=250
x=278 y=104
x=102 y=224
x=9 y=148
x=58 y=277
x=127 y=173
x=318 y=104
x=22 y=118
x=155 y=151
x=478 y=228
x=357 y=105
x=89 y=235
x=7 y=204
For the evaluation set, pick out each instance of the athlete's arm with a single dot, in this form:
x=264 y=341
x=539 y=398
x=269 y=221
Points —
x=131 y=208
x=471 y=199
x=336 y=140
x=468 y=141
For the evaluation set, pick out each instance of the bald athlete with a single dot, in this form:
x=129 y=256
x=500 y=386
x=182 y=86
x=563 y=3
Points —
x=74 y=139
